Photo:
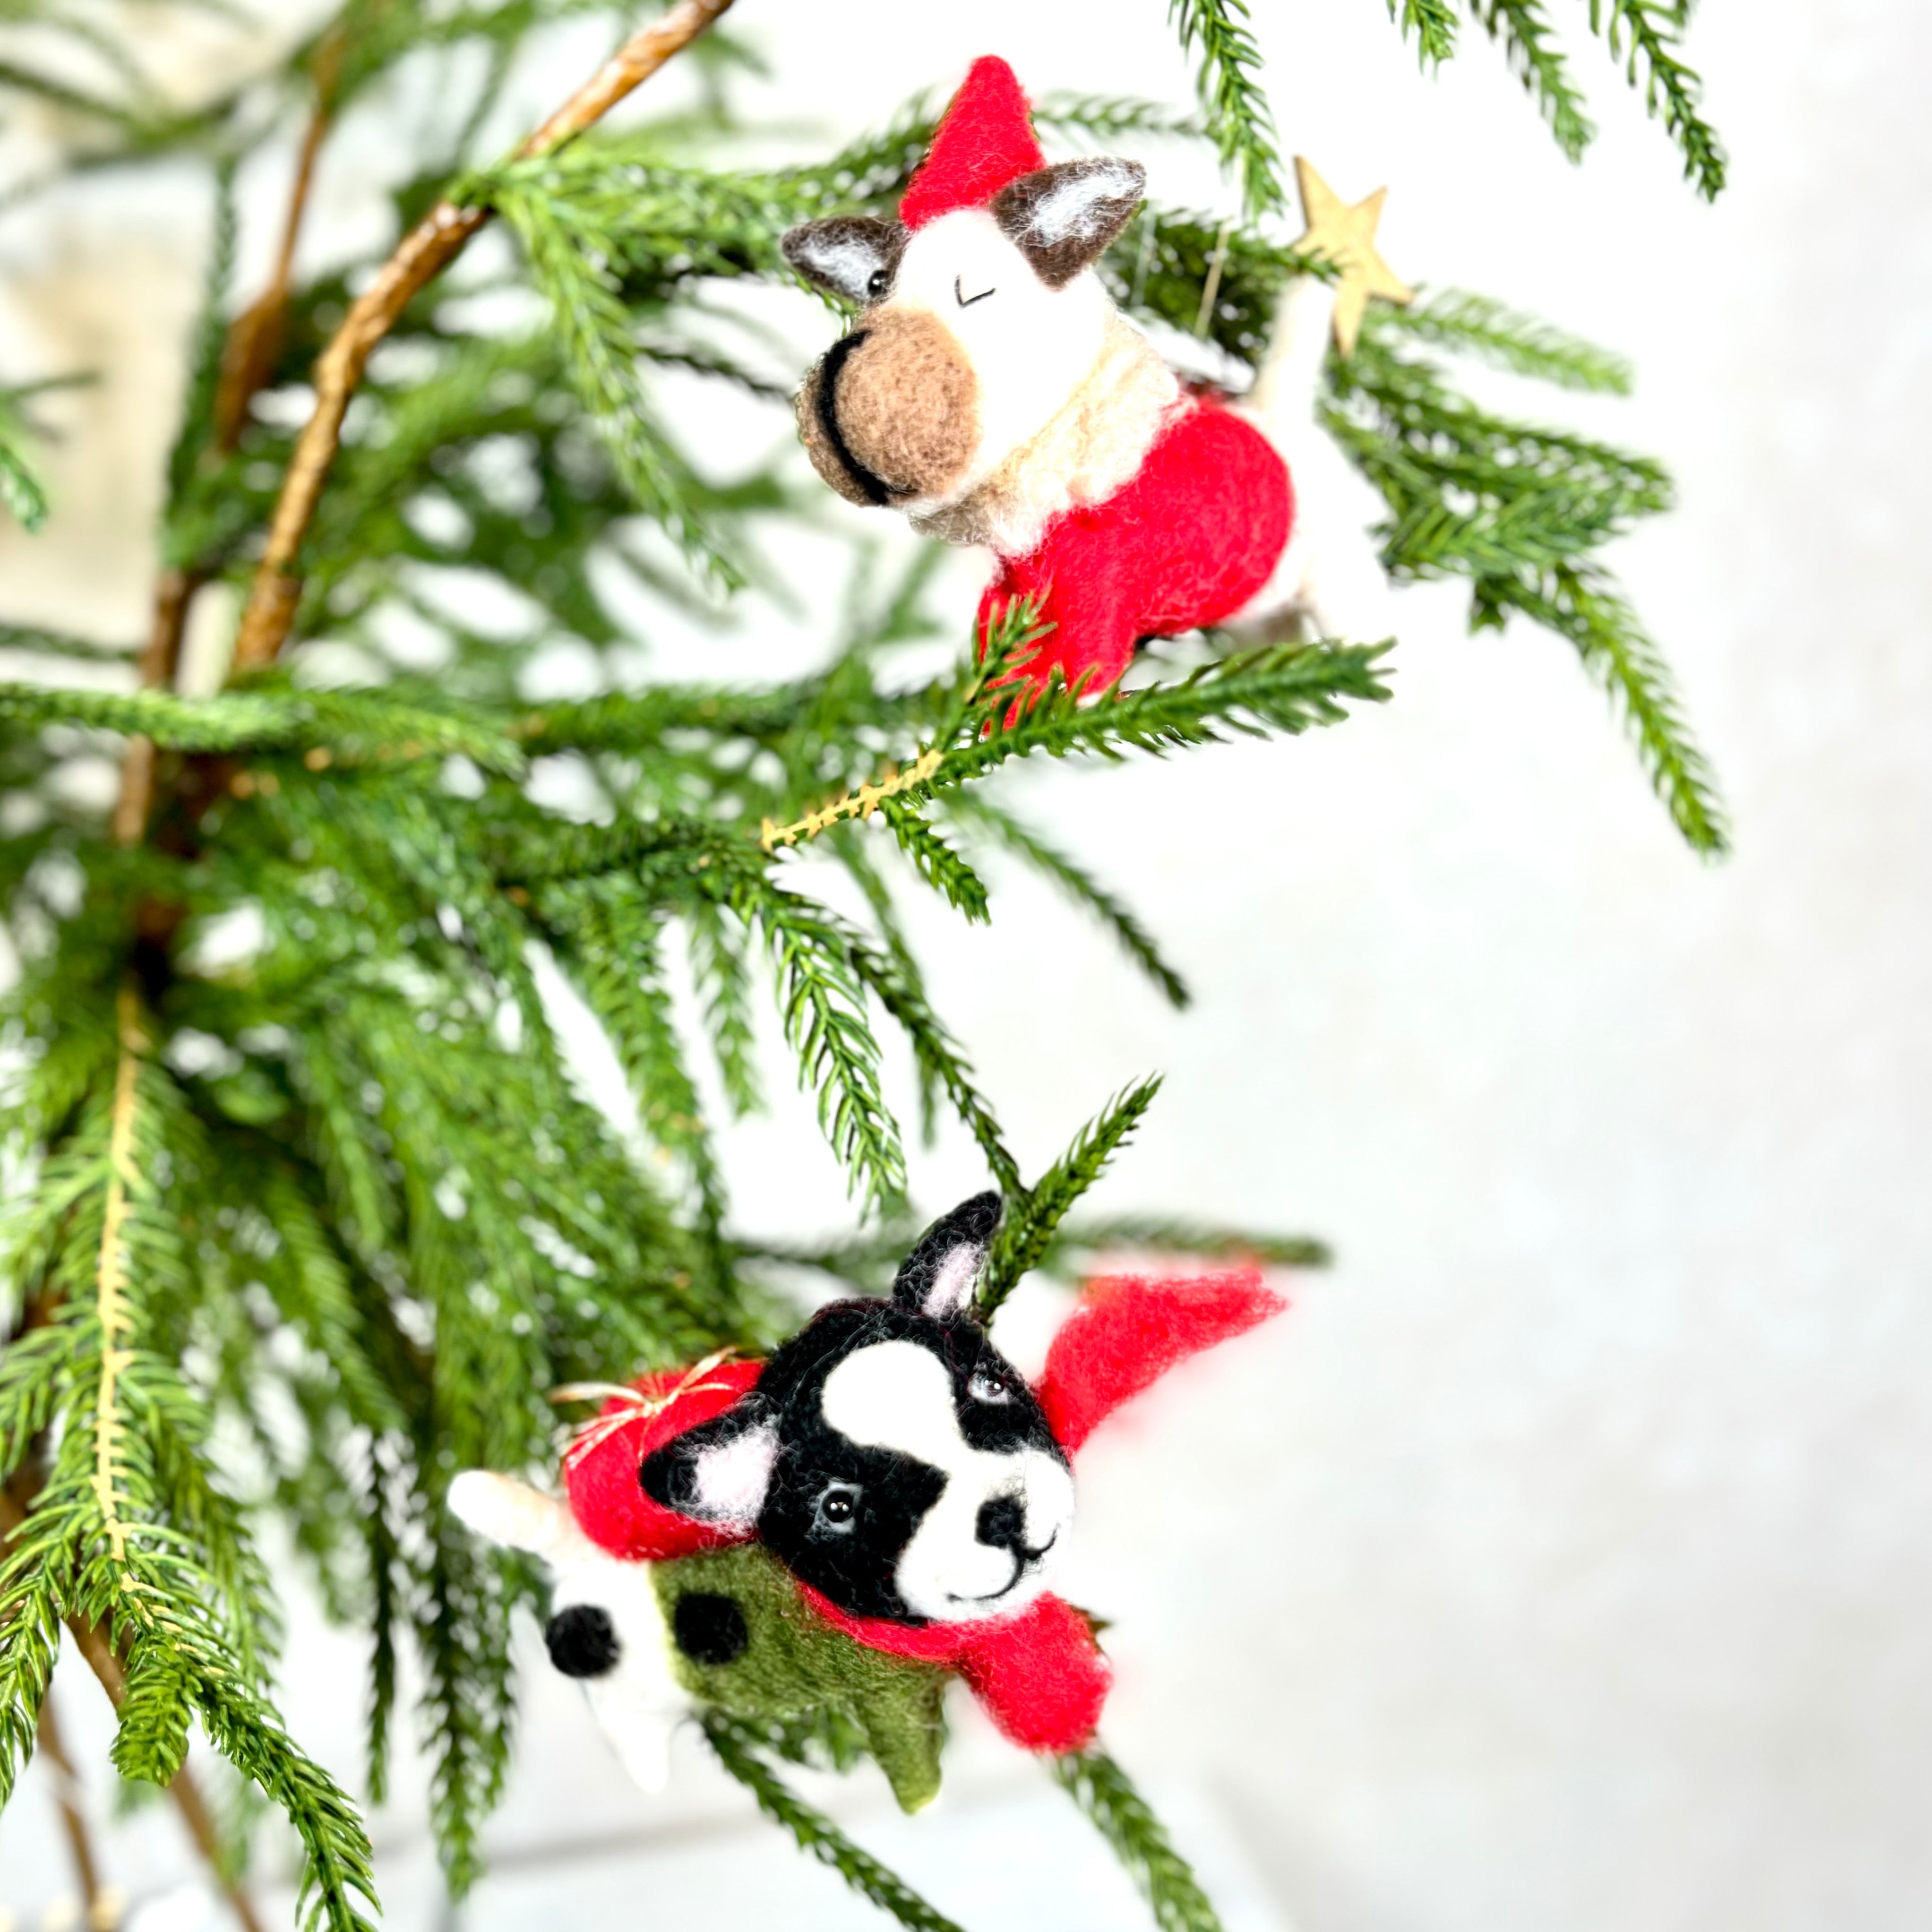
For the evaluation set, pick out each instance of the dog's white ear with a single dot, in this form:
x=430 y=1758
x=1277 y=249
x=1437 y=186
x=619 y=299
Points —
x=513 y=1514
x=1062 y=218
x=939 y=1276
x=719 y=1471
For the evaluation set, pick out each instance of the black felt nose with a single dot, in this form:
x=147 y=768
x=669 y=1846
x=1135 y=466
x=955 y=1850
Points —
x=582 y=1641
x=1002 y=1523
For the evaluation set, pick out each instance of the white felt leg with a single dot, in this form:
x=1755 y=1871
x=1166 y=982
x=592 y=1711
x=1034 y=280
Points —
x=1342 y=593
x=1330 y=582
x=1282 y=398
x=639 y=1733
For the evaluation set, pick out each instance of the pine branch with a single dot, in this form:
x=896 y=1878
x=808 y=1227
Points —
x=719 y=961
x=1028 y=1229
x=1481 y=327
x=1646 y=35
x=1432 y=23
x=1289 y=688
x=1239 y=119
x=1524 y=32
x=351 y=726
x=41 y=642
x=1580 y=604
x=418 y=258
x=1194 y=1239
x=936 y=862
x=1101 y=1789
x=31 y=1623
x=21 y=494
x=968 y=807
x=1106 y=118
x=817 y=1835
x=902 y=993
x=821 y=983
x=575 y=272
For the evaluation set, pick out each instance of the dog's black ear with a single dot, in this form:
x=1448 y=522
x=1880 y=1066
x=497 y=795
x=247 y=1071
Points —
x=850 y=255
x=717 y=1472
x=938 y=1277
x=1063 y=217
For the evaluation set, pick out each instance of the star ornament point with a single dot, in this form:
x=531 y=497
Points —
x=1346 y=235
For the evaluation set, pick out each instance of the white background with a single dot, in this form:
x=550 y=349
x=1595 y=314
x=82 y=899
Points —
x=1561 y=1560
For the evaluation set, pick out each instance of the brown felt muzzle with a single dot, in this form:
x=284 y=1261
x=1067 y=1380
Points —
x=891 y=414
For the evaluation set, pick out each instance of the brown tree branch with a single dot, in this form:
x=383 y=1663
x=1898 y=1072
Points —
x=428 y=248
x=173 y=595
x=67 y=1796
x=105 y=1661
x=255 y=336
x=249 y=352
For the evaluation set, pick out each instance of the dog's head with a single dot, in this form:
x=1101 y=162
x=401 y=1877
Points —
x=889 y=1454
x=978 y=318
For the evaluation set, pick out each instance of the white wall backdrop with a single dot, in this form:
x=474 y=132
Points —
x=1562 y=1561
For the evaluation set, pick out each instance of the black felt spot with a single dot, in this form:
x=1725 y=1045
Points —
x=583 y=1642
x=875 y=487
x=709 y=1629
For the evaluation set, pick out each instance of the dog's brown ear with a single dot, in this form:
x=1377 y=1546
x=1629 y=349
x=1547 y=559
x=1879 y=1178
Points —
x=1063 y=217
x=850 y=255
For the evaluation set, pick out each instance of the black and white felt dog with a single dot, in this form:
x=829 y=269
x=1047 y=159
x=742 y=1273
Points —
x=889 y=1454
x=917 y=1491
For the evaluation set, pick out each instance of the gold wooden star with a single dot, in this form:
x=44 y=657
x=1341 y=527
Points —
x=1347 y=237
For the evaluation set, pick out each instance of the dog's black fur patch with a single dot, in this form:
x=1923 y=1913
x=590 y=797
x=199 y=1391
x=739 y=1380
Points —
x=838 y=1513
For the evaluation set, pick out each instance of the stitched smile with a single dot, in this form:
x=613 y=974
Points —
x=1024 y=1559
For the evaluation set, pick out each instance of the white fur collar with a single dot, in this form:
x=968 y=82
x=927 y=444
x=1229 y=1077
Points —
x=1090 y=449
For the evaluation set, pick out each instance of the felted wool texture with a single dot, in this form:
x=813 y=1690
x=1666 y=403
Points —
x=1128 y=1331
x=1064 y=218
x=823 y=445
x=600 y=1471
x=985 y=140
x=1090 y=450
x=897 y=401
x=1187 y=542
x=794 y=1661
x=1040 y=1675
x=895 y=1433
x=846 y=253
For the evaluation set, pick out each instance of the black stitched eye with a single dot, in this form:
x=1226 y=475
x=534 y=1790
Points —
x=989 y=1385
x=880 y=280
x=838 y=1508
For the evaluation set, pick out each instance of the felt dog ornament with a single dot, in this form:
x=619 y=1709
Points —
x=990 y=390
x=879 y=1505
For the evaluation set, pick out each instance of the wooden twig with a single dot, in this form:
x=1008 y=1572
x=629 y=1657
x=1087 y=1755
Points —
x=173 y=595
x=66 y=1796
x=255 y=338
x=248 y=356
x=419 y=257
x=105 y=1661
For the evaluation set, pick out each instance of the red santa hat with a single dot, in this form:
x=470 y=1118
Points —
x=985 y=140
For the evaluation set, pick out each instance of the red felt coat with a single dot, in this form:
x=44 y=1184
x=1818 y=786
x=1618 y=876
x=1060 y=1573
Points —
x=1188 y=541
x=1039 y=1672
